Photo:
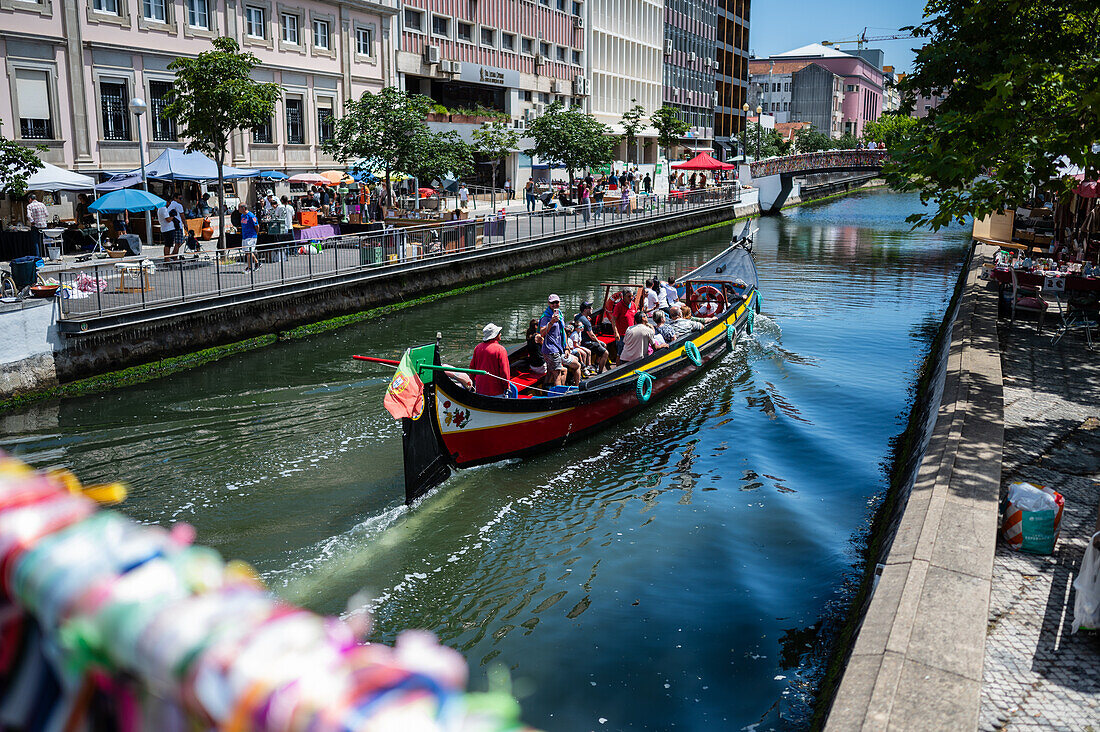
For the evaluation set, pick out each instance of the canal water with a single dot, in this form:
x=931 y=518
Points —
x=673 y=571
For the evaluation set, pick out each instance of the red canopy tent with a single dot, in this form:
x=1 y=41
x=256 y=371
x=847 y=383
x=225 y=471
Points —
x=704 y=161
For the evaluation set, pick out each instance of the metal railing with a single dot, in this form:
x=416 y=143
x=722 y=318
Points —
x=116 y=286
x=823 y=160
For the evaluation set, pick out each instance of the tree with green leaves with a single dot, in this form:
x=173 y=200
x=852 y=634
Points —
x=892 y=130
x=1021 y=81
x=669 y=126
x=17 y=163
x=213 y=96
x=570 y=138
x=847 y=141
x=439 y=154
x=495 y=140
x=384 y=130
x=810 y=139
x=767 y=142
x=632 y=122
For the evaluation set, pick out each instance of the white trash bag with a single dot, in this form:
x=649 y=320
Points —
x=1086 y=606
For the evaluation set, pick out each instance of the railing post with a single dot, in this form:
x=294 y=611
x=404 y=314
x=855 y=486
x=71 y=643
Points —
x=98 y=292
x=336 y=256
x=141 y=282
x=284 y=255
x=183 y=289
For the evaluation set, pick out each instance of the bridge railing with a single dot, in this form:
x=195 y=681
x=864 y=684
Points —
x=819 y=161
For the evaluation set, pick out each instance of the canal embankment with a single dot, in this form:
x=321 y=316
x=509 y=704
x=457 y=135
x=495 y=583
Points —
x=914 y=650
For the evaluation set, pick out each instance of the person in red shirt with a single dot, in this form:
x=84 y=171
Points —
x=490 y=356
x=622 y=317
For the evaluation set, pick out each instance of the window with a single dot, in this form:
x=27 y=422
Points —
x=441 y=26
x=414 y=20
x=295 y=132
x=576 y=9
x=544 y=48
x=527 y=45
x=851 y=88
x=325 y=127
x=787 y=86
x=488 y=37
x=544 y=98
x=508 y=42
x=544 y=2
x=560 y=53
x=105 y=6
x=466 y=32
x=320 y=34
x=153 y=10
x=525 y=95
x=32 y=94
x=198 y=14
x=113 y=99
x=262 y=134
x=561 y=5
x=290 y=28
x=364 y=41
x=576 y=57
x=164 y=127
x=254 y=22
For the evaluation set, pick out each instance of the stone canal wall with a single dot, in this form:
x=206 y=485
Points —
x=917 y=656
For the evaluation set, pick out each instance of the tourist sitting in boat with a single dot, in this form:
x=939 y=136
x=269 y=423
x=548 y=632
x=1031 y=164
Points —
x=589 y=339
x=554 y=350
x=652 y=300
x=661 y=325
x=490 y=356
x=683 y=323
x=536 y=364
x=639 y=339
x=670 y=294
x=576 y=347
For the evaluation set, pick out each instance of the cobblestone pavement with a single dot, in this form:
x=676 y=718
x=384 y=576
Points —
x=1036 y=674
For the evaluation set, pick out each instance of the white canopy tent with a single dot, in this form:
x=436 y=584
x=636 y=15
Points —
x=52 y=178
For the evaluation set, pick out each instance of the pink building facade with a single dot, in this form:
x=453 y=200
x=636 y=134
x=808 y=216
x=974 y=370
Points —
x=72 y=66
x=862 y=83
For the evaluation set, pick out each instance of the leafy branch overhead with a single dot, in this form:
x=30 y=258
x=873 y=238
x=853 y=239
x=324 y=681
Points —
x=1021 y=82
x=670 y=128
x=632 y=122
x=571 y=139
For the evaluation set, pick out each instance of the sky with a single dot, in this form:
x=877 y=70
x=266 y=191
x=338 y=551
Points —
x=778 y=26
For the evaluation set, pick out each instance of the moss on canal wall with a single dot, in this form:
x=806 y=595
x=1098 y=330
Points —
x=906 y=454
x=174 y=364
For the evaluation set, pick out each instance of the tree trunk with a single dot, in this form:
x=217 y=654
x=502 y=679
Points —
x=389 y=193
x=221 y=202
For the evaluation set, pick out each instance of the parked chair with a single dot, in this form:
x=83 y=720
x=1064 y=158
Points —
x=1027 y=298
x=1071 y=319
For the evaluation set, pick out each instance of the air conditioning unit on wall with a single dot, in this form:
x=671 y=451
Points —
x=580 y=87
x=431 y=54
x=692 y=58
x=668 y=47
x=555 y=86
x=578 y=21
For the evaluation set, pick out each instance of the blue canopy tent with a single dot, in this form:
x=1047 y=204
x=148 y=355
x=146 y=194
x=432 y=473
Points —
x=272 y=175
x=177 y=165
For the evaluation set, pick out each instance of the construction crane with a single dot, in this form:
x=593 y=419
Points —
x=863 y=39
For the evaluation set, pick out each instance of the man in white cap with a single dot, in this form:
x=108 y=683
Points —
x=559 y=364
x=490 y=356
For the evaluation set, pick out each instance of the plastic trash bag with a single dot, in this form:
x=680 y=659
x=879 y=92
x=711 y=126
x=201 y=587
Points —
x=1032 y=518
x=1086 y=605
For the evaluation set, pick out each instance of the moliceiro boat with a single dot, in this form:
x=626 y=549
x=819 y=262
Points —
x=453 y=427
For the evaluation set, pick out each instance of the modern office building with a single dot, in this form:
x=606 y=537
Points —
x=690 y=56
x=71 y=69
x=627 y=43
x=732 y=75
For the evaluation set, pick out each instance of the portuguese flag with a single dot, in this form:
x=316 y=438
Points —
x=405 y=395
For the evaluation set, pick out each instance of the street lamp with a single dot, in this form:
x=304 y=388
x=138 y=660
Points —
x=745 y=147
x=138 y=107
x=759 y=129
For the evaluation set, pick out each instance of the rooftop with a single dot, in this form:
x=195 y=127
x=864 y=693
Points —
x=814 y=50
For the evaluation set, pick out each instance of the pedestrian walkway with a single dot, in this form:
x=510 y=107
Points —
x=1037 y=674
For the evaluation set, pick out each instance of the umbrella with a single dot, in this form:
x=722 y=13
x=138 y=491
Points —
x=427 y=192
x=127 y=199
x=1088 y=189
x=704 y=161
x=313 y=178
x=336 y=177
x=272 y=175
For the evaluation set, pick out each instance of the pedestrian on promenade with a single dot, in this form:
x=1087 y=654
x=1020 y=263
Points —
x=250 y=236
x=170 y=216
x=508 y=192
x=647 y=184
x=584 y=195
x=39 y=219
x=529 y=195
x=463 y=195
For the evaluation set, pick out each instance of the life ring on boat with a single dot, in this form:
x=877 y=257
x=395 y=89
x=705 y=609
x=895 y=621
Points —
x=731 y=336
x=706 y=301
x=612 y=301
x=644 y=386
x=692 y=352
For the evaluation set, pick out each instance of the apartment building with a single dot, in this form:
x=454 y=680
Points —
x=72 y=67
x=862 y=79
x=731 y=75
x=691 y=33
x=770 y=86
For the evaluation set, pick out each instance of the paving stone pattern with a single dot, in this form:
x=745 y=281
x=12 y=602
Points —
x=1037 y=675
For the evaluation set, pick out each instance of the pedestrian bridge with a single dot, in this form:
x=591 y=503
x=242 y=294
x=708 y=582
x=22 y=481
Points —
x=774 y=177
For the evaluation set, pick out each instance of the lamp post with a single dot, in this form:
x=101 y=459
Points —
x=744 y=147
x=759 y=129
x=138 y=107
